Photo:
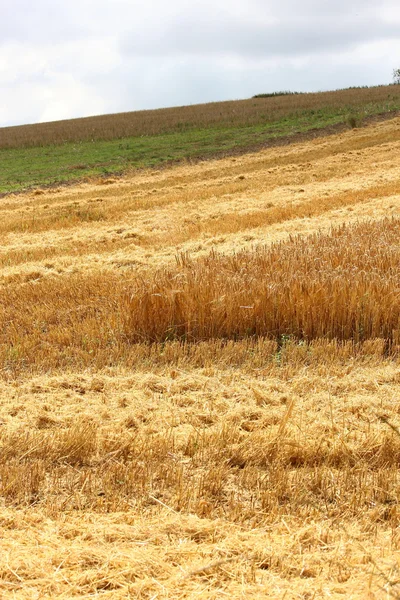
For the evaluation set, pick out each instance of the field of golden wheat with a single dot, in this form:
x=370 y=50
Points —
x=200 y=379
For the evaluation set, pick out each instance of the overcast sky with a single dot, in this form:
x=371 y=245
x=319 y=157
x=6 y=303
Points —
x=70 y=58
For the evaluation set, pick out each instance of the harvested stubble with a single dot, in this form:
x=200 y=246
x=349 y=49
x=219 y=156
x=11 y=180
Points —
x=242 y=468
x=210 y=473
x=218 y=468
x=344 y=285
x=219 y=480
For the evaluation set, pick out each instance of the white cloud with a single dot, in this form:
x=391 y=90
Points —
x=45 y=83
x=68 y=98
x=70 y=59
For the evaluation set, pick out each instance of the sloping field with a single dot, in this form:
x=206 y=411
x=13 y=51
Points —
x=63 y=152
x=266 y=109
x=200 y=379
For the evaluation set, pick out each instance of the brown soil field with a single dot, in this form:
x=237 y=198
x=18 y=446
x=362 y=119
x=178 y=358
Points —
x=200 y=379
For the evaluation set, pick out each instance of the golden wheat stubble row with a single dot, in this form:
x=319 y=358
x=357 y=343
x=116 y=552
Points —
x=345 y=285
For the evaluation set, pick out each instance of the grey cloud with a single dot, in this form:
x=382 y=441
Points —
x=142 y=83
x=40 y=21
x=77 y=58
x=224 y=34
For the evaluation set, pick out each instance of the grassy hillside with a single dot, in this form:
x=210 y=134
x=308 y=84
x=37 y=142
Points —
x=65 y=151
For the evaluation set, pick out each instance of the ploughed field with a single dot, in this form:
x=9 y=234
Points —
x=200 y=379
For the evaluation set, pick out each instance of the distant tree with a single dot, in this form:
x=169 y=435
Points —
x=396 y=76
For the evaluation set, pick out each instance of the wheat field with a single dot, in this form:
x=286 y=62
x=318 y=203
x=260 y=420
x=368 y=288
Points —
x=200 y=379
